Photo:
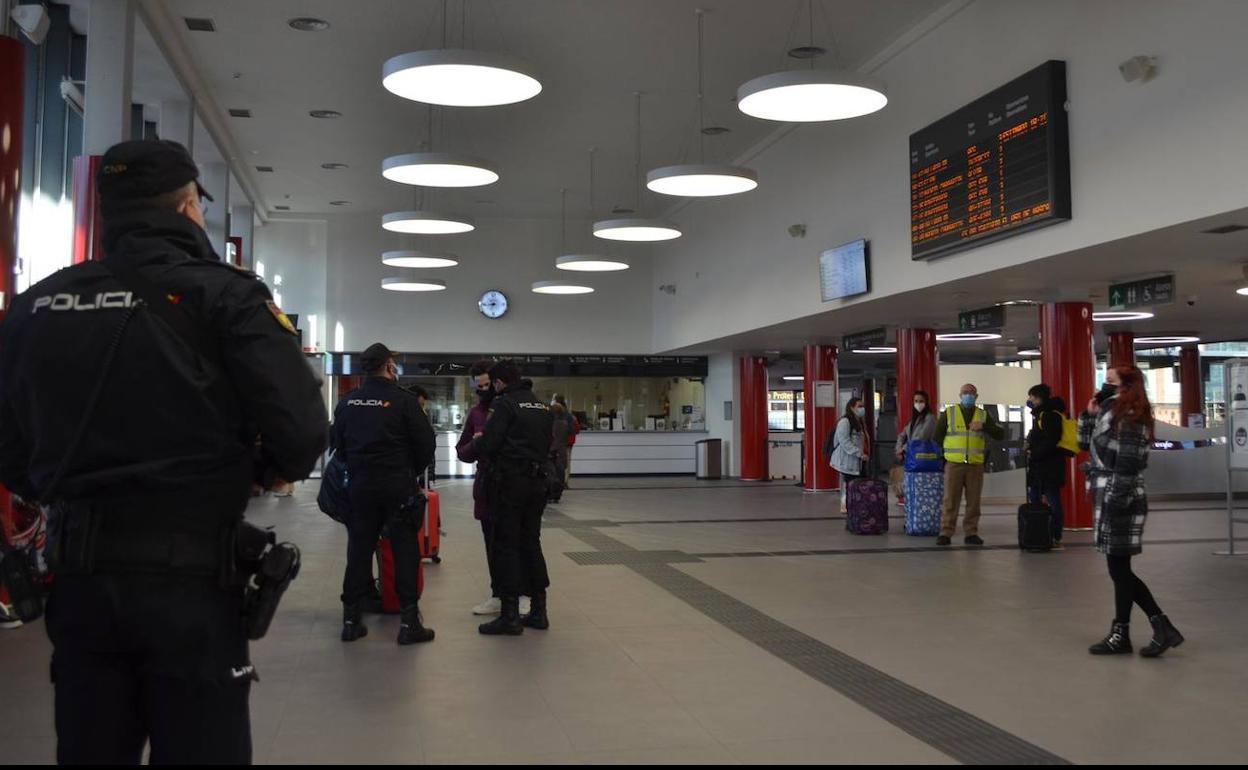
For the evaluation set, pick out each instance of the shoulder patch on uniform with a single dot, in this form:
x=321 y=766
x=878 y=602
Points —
x=282 y=319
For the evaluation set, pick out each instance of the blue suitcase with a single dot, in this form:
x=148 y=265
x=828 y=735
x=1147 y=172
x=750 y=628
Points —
x=925 y=494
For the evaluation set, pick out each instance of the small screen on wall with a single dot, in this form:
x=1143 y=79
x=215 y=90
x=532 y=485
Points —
x=843 y=271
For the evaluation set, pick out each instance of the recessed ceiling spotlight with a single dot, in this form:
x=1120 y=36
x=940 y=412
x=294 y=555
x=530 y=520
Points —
x=1115 y=315
x=334 y=166
x=281 y=208
x=308 y=24
x=340 y=203
x=325 y=114
x=240 y=113
x=716 y=130
x=265 y=169
x=807 y=52
x=623 y=210
x=968 y=337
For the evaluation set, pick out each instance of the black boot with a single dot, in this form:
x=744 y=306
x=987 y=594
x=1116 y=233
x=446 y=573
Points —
x=537 y=617
x=1117 y=643
x=352 y=623
x=508 y=623
x=1165 y=636
x=411 y=629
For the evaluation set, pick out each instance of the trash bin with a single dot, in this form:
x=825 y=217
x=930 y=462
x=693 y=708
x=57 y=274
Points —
x=710 y=458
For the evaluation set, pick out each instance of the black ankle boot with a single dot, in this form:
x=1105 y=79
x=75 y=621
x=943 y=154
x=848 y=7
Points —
x=508 y=623
x=1117 y=643
x=1165 y=636
x=411 y=629
x=352 y=623
x=537 y=617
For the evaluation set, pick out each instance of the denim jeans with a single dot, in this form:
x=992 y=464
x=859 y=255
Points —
x=1054 y=498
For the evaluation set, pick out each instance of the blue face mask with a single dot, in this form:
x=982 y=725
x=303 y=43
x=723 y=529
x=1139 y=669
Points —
x=968 y=400
x=861 y=412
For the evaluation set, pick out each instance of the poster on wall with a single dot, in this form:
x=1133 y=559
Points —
x=1237 y=413
x=825 y=394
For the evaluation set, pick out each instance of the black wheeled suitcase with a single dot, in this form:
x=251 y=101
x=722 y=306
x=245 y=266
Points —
x=1035 y=526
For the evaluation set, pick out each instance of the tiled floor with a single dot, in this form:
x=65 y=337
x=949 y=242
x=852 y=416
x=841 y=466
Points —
x=630 y=673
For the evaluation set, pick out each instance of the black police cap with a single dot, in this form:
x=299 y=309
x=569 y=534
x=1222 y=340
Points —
x=375 y=357
x=146 y=168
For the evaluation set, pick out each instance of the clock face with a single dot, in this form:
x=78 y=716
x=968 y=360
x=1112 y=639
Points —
x=493 y=304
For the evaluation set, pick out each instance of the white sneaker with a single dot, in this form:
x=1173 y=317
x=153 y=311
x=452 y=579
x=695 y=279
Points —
x=9 y=618
x=524 y=606
x=491 y=606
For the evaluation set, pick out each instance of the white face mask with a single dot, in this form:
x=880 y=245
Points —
x=920 y=406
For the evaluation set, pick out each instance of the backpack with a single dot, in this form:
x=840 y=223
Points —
x=1070 y=435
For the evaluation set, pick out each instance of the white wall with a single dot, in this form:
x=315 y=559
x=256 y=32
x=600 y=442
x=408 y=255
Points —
x=296 y=250
x=721 y=386
x=1143 y=156
x=504 y=254
x=996 y=384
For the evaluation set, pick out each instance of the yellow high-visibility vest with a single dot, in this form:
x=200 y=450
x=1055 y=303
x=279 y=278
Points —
x=962 y=445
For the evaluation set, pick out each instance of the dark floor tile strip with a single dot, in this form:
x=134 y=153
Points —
x=942 y=726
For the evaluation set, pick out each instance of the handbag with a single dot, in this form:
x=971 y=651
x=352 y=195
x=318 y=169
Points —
x=923 y=457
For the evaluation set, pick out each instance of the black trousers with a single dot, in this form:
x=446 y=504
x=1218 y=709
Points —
x=157 y=659
x=1129 y=590
x=519 y=566
x=375 y=505
x=487 y=533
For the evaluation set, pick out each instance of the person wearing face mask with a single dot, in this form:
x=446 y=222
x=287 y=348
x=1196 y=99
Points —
x=847 y=447
x=387 y=442
x=1116 y=429
x=963 y=431
x=924 y=484
x=474 y=425
x=922 y=424
x=1046 y=462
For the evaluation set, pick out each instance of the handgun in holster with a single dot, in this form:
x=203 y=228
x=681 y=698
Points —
x=264 y=567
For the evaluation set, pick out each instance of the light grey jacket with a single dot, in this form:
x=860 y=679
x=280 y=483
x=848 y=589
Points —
x=848 y=456
x=922 y=429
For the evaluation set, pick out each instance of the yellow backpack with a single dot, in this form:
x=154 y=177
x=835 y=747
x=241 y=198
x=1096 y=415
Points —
x=1070 y=435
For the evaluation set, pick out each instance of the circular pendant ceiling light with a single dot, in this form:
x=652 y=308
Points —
x=427 y=223
x=418 y=259
x=412 y=284
x=438 y=169
x=876 y=350
x=968 y=337
x=701 y=180
x=1166 y=340
x=460 y=78
x=590 y=263
x=560 y=287
x=640 y=230
x=1032 y=353
x=1126 y=315
x=637 y=229
x=810 y=96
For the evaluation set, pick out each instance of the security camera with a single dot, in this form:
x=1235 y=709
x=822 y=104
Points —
x=33 y=21
x=1141 y=68
x=1191 y=301
x=797 y=231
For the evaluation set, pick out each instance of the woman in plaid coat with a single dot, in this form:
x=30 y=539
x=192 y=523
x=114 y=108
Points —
x=1117 y=430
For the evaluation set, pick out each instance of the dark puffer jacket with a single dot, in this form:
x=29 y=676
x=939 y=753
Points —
x=1047 y=462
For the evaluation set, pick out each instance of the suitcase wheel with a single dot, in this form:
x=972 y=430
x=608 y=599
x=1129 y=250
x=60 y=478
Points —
x=436 y=559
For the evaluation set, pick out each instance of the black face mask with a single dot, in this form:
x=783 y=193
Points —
x=485 y=394
x=1106 y=392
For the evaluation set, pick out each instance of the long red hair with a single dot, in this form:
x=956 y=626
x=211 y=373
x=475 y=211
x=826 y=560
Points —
x=1132 y=402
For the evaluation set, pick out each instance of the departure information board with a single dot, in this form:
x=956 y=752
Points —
x=995 y=168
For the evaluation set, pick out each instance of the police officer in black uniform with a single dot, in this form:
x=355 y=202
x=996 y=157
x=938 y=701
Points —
x=132 y=393
x=516 y=441
x=386 y=440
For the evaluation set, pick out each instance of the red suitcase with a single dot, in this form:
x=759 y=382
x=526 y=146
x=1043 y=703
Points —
x=385 y=576
x=431 y=532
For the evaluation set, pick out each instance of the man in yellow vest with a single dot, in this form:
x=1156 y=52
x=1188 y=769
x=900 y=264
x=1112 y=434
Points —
x=963 y=430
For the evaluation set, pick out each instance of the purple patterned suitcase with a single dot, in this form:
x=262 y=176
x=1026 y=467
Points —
x=868 y=507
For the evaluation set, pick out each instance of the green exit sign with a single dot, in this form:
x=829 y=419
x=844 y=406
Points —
x=1154 y=291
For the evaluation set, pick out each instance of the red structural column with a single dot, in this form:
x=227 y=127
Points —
x=820 y=420
x=87 y=228
x=12 y=96
x=917 y=358
x=1068 y=366
x=754 y=419
x=1191 y=384
x=1121 y=349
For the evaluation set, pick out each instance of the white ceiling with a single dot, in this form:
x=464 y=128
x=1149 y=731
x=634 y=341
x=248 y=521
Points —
x=591 y=55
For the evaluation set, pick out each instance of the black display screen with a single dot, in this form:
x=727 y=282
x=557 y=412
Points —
x=995 y=168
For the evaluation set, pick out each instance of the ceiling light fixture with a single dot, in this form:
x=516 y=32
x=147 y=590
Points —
x=637 y=228
x=808 y=96
x=412 y=284
x=308 y=24
x=427 y=223
x=1116 y=315
x=560 y=287
x=794 y=377
x=1032 y=353
x=418 y=259
x=585 y=263
x=1243 y=291
x=875 y=350
x=325 y=114
x=438 y=169
x=1166 y=340
x=334 y=166
x=701 y=179
x=968 y=337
